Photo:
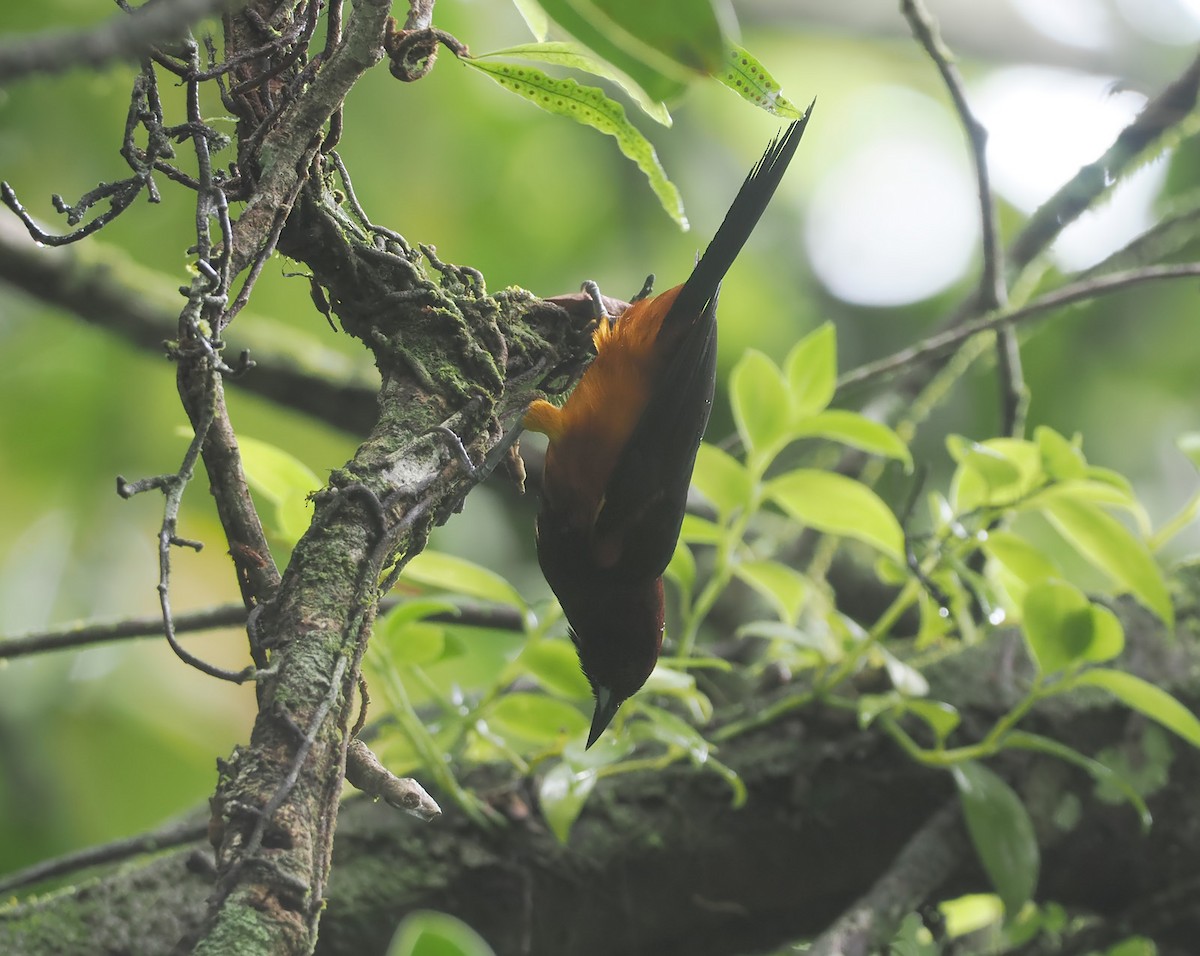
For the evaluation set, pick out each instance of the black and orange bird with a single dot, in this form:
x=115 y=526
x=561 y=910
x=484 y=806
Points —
x=621 y=453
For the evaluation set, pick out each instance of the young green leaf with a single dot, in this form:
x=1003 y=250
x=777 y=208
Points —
x=697 y=530
x=811 y=370
x=554 y=665
x=904 y=677
x=1145 y=698
x=418 y=642
x=761 y=405
x=534 y=719
x=1110 y=547
x=284 y=482
x=1189 y=444
x=589 y=105
x=1025 y=561
x=784 y=587
x=1058 y=625
x=722 y=479
x=941 y=717
x=446 y=572
x=535 y=18
x=425 y=933
x=750 y=80
x=872 y=706
x=838 y=505
x=1001 y=831
x=995 y=473
x=858 y=431
x=682 y=570
x=1062 y=460
x=562 y=794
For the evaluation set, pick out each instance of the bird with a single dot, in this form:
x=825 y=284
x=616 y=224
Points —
x=621 y=450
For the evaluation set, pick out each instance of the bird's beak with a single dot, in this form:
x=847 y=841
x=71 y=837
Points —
x=606 y=708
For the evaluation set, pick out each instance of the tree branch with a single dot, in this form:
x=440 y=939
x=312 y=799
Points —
x=126 y=36
x=660 y=863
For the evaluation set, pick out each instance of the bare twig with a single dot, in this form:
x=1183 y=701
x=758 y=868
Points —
x=225 y=615
x=174 y=834
x=992 y=292
x=945 y=342
x=1163 y=113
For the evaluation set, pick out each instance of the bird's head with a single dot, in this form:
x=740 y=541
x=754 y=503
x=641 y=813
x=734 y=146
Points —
x=618 y=642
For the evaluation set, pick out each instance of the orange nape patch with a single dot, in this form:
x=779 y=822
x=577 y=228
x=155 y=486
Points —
x=589 y=432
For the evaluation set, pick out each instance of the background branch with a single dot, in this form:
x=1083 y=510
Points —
x=124 y=36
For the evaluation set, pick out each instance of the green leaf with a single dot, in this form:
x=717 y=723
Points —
x=1058 y=625
x=1189 y=444
x=761 y=405
x=283 y=481
x=722 y=479
x=682 y=570
x=1184 y=517
x=904 y=677
x=815 y=638
x=535 y=18
x=1101 y=773
x=685 y=31
x=784 y=587
x=668 y=681
x=1110 y=547
x=1145 y=698
x=417 y=642
x=1062 y=460
x=858 y=431
x=1086 y=489
x=577 y=57
x=811 y=370
x=591 y=106
x=659 y=75
x=426 y=933
x=697 y=530
x=561 y=796
x=872 y=706
x=838 y=505
x=534 y=719
x=941 y=717
x=750 y=80
x=555 y=666
x=971 y=913
x=994 y=473
x=1028 y=563
x=666 y=728
x=1001 y=831
x=445 y=572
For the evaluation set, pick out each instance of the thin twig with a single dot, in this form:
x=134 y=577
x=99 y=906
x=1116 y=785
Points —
x=992 y=292
x=1163 y=113
x=224 y=615
x=174 y=834
x=944 y=342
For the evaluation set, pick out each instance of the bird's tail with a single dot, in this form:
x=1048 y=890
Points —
x=699 y=293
